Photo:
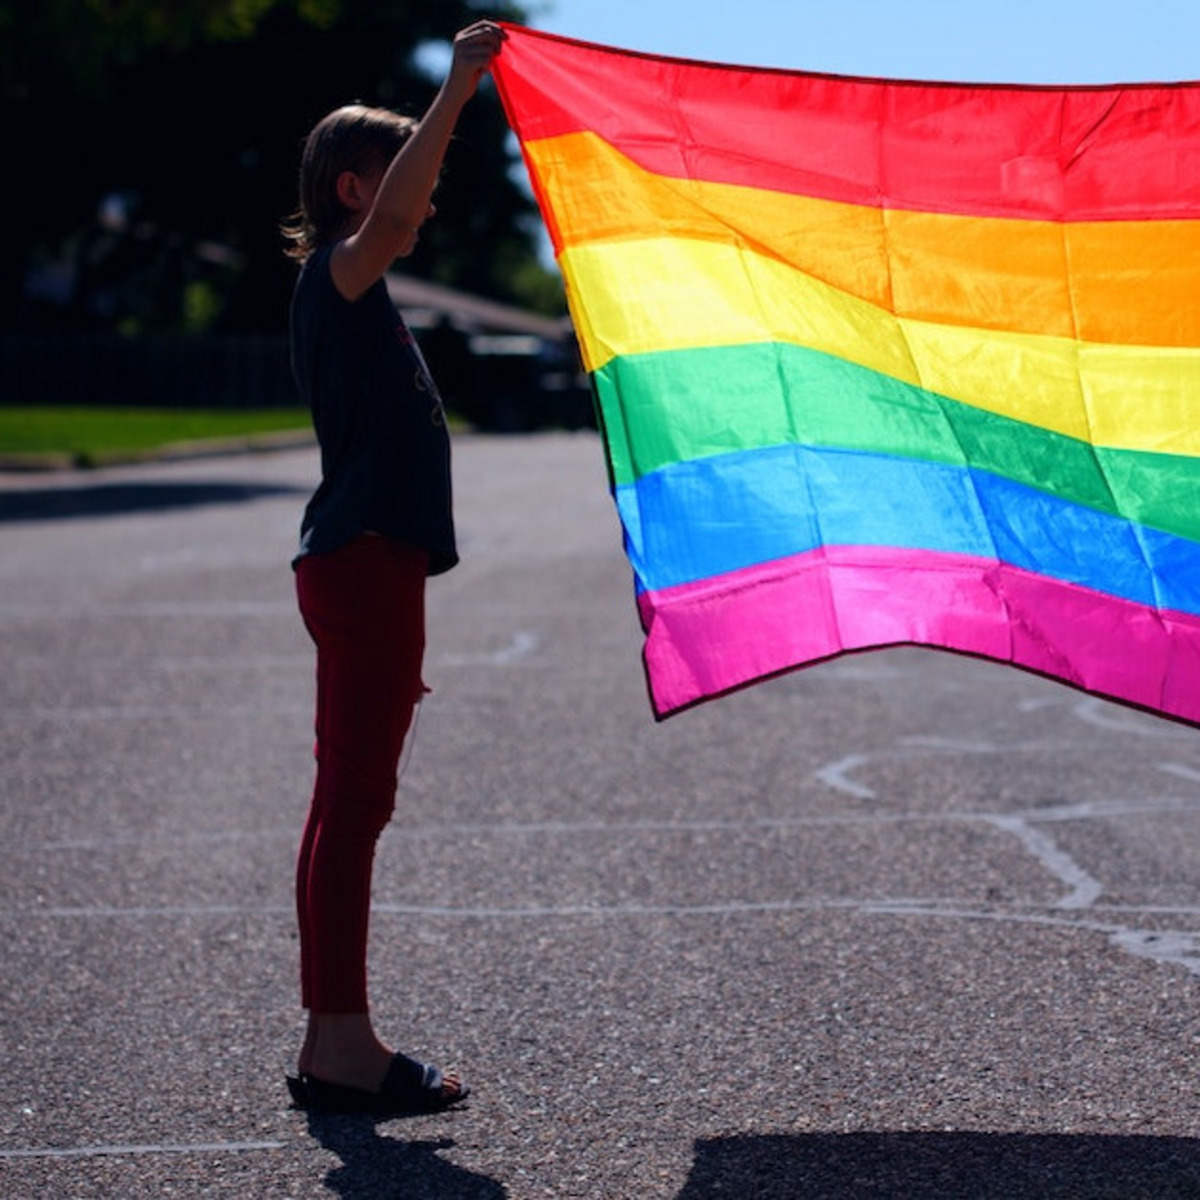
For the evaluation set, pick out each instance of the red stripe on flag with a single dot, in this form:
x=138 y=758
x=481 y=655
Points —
x=1076 y=153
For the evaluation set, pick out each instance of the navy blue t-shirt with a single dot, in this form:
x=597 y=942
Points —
x=385 y=450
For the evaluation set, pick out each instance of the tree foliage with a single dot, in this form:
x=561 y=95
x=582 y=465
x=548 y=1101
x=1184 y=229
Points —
x=156 y=144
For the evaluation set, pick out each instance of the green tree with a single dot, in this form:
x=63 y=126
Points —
x=155 y=144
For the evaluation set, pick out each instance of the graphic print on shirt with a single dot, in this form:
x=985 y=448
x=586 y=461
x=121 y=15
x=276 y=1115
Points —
x=423 y=379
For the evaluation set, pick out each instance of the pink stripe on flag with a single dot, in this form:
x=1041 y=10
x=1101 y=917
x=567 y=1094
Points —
x=725 y=632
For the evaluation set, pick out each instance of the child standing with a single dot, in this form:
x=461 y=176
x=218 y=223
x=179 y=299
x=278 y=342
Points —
x=378 y=524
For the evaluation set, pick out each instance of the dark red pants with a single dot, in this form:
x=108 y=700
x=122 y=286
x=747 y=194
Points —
x=364 y=606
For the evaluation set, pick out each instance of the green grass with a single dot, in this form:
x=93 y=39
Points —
x=92 y=436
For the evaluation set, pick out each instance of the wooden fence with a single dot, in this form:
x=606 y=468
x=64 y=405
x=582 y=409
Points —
x=226 y=371
x=494 y=383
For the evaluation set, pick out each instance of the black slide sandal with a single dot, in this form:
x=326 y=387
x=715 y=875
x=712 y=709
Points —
x=408 y=1087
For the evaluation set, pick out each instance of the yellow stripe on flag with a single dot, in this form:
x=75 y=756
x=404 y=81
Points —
x=668 y=293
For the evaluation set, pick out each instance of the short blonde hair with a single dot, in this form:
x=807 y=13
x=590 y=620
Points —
x=352 y=138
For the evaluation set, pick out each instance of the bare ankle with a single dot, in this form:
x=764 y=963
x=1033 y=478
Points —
x=345 y=1049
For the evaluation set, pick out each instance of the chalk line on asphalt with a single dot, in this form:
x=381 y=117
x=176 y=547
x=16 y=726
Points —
x=150 y=1148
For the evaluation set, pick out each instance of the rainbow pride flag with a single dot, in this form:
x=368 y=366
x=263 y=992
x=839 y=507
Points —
x=883 y=362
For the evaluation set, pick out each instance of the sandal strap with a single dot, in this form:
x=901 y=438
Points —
x=408 y=1075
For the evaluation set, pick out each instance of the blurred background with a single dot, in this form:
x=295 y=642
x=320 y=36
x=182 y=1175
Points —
x=152 y=151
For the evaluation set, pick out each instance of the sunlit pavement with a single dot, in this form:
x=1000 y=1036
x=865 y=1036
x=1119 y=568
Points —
x=901 y=925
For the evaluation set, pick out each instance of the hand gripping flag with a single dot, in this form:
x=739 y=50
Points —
x=884 y=362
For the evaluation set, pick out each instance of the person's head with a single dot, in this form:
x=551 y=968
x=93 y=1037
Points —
x=344 y=156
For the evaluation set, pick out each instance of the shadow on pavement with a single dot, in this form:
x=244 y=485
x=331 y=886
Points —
x=385 y=1168
x=117 y=499
x=948 y=1166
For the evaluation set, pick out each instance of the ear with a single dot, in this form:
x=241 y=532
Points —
x=350 y=191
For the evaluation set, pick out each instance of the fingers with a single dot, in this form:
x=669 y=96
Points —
x=482 y=27
x=481 y=40
x=474 y=50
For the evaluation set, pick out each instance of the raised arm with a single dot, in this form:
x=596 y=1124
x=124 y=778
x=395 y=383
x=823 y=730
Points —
x=396 y=207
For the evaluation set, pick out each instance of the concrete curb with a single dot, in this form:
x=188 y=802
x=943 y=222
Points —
x=261 y=443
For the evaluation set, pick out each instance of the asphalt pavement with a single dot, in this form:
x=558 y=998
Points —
x=900 y=925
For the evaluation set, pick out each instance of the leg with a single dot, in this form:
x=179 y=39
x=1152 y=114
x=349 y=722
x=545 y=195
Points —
x=363 y=606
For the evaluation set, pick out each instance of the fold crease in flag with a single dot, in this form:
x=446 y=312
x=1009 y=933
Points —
x=882 y=362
